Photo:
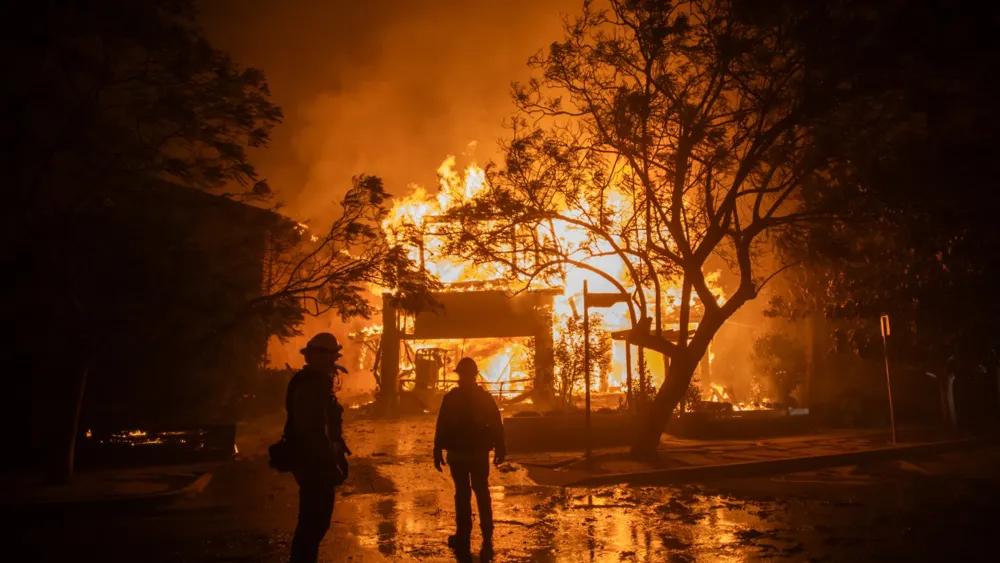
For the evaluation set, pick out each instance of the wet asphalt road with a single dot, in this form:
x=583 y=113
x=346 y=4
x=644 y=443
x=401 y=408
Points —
x=398 y=509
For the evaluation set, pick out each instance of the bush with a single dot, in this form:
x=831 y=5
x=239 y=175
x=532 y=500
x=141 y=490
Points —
x=780 y=362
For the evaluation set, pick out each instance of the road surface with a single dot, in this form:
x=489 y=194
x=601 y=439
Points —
x=398 y=508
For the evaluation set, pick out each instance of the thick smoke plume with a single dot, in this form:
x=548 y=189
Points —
x=387 y=87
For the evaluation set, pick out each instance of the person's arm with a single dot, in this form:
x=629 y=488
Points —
x=444 y=415
x=335 y=426
x=496 y=426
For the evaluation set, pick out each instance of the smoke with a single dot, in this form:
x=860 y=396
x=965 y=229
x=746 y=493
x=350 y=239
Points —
x=386 y=87
x=390 y=88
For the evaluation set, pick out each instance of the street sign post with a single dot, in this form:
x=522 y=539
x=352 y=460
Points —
x=592 y=300
x=884 y=325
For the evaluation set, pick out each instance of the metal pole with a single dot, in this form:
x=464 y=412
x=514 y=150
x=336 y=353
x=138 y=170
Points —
x=884 y=325
x=628 y=376
x=640 y=400
x=586 y=369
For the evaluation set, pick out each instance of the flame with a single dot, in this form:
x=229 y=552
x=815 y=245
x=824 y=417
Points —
x=502 y=372
x=135 y=438
x=719 y=393
x=365 y=332
x=502 y=362
x=412 y=222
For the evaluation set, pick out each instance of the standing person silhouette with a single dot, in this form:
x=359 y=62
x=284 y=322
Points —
x=468 y=427
x=315 y=429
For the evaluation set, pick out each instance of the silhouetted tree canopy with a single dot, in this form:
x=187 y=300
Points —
x=126 y=165
x=675 y=136
x=102 y=93
x=916 y=229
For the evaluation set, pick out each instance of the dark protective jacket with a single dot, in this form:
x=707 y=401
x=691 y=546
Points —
x=469 y=422
x=315 y=419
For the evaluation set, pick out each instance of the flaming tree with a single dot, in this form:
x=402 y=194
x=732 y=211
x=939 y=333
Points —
x=673 y=139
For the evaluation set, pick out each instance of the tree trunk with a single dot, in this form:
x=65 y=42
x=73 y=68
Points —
x=812 y=348
x=654 y=421
x=948 y=391
x=683 y=362
x=64 y=459
x=997 y=370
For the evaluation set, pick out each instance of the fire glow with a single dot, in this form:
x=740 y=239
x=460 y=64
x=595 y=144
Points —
x=416 y=222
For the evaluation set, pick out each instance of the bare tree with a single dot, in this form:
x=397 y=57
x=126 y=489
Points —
x=316 y=274
x=667 y=135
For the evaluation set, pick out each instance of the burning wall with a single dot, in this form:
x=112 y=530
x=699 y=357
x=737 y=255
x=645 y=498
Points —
x=475 y=315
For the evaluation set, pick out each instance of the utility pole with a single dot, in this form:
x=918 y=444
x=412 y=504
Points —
x=629 y=401
x=593 y=300
x=884 y=325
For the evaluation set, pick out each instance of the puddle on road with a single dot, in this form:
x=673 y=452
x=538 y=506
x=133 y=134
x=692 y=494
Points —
x=623 y=524
x=551 y=524
x=554 y=525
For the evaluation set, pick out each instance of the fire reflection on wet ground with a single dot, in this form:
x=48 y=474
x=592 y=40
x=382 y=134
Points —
x=397 y=505
x=397 y=508
x=613 y=524
x=403 y=510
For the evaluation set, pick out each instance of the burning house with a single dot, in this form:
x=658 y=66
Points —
x=512 y=329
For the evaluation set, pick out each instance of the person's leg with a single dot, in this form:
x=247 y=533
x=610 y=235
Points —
x=326 y=495
x=480 y=477
x=301 y=541
x=463 y=499
x=316 y=499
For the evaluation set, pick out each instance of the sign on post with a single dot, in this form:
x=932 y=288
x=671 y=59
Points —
x=884 y=325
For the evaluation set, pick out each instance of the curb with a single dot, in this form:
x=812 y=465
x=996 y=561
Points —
x=774 y=466
x=197 y=486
